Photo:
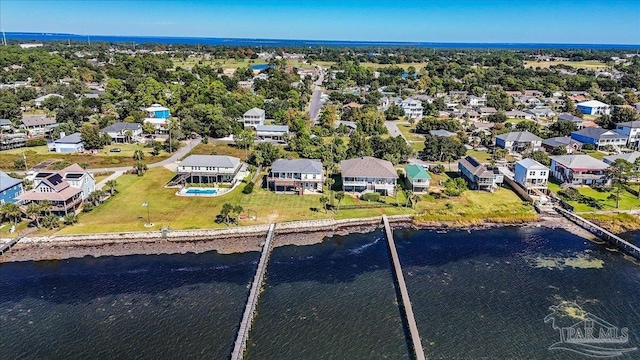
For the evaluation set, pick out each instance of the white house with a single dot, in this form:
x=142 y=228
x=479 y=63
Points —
x=518 y=141
x=579 y=170
x=209 y=169
x=531 y=175
x=271 y=132
x=368 y=174
x=476 y=101
x=297 y=175
x=68 y=144
x=594 y=107
x=412 y=108
x=123 y=131
x=630 y=129
x=253 y=117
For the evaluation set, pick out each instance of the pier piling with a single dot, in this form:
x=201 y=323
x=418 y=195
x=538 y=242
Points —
x=406 y=302
x=250 y=308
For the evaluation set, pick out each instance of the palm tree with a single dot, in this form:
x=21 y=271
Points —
x=408 y=194
x=324 y=200
x=33 y=212
x=140 y=168
x=128 y=134
x=339 y=196
x=138 y=155
x=11 y=211
x=111 y=184
x=45 y=206
x=414 y=200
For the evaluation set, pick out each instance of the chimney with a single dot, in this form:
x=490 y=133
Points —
x=62 y=134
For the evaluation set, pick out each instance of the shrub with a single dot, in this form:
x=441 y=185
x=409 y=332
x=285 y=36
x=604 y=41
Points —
x=60 y=165
x=19 y=164
x=374 y=196
x=248 y=189
x=87 y=207
x=588 y=147
x=51 y=221
x=570 y=193
x=70 y=219
x=36 y=142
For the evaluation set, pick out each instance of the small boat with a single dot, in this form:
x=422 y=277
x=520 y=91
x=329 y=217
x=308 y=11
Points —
x=441 y=231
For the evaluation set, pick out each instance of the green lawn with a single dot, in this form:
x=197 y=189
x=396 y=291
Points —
x=590 y=65
x=481 y=156
x=628 y=201
x=595 y=154
x=415 y=140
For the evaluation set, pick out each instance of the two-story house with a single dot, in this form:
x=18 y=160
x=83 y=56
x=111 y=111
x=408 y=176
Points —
x=478 y=176
x=298 y=175
x=599 y=137
x=10 y=188
x=272 y=132
x=532 y=176
x=65 y=189
x=37 y=124
x=518 y=141
x=158 y=116
x=412 y=108
x=579 y=170
x=123 y=132
x=209 y=169
x=630 y=129
x=594 y=107
x=68 y=144
x=253 y=117
x=368 y=174
x=418 y=179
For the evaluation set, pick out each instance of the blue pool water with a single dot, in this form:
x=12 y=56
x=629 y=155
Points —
x=196 y=191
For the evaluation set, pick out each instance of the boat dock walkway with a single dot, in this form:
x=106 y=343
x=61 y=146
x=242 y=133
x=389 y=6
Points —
x=623 y=245
x=254 y=294
x=406 y=302
x=9 y=244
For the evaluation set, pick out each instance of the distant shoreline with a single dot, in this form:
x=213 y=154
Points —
x=192 y=40
x=229 y=240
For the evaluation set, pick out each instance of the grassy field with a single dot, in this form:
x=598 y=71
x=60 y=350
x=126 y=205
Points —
x=104 y=158
x=628 y=201
x=589 y=65
x=595 y=154
x=416 y=140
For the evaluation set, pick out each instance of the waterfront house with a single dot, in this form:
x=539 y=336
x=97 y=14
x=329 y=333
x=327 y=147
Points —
x=518 y=141
x=209 y=169
x=599 y=137
x=368 y=174
x=39 y=101
x=68 y=144
x=299 y=175
x=478 y=176
x=568 y=143
x=253 y=117
x=123 y=132
x=65 y=189
x=412 y=108
x=10 y=188
x=418 y=179
x=579 y=170
x=12 y=141
x=593 y=107
x=272 y=132
x=630 y=129
x=532 y=176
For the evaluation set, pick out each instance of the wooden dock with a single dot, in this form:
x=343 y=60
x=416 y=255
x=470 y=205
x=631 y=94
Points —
x=623 y=245
x=8 y=245
x=406 y=302
x=250 y=308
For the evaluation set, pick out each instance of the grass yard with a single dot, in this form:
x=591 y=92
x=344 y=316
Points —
x=595 y=154
x=628 y=201
x=415 y=140
x=481 y=156
x=589 y=65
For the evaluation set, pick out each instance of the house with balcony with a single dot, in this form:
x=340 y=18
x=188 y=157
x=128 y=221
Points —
x=569 y=144
x=210 y=169
x=158 y=116
x=412 y=108
x=599 y=137
x=518 y=141
x=579 y=170
x=253 y=117
x=65 y=189
x=12 y=141
x=301 y=176
x=122 y=132
x=68 y=144
x=272 y=132
x=478 y=176
x=37 y=124
x=10 y=188
x=418 y=179
x=368 y=174
x=532 y=176
x=630 y=129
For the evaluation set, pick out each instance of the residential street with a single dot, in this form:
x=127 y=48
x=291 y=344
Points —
x=316 y=102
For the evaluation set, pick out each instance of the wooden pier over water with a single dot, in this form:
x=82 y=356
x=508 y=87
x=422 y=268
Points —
x=406 y=302
x=623 y=245
x=250 y=308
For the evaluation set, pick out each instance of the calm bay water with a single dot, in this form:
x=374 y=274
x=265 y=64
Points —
x=475 y=295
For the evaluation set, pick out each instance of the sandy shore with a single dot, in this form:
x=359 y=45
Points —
x=227 y=241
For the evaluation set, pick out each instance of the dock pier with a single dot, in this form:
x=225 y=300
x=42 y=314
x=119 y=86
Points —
x=404 y=294
x=620 y=243
x=250 y=308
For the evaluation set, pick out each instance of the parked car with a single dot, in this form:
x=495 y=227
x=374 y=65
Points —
x=115 y=150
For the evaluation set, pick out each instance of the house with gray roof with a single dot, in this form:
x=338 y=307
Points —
x=630 y=157
x=486 y=111
x=579 y=170
x=40 y=100
x=37 y=123
x=253 y=117
x=6 y=124
x=478 y=176
x=123 y=131
x=68 y=144
x=574 y=119
x=518 y=141
x=298 y=175
x=210 y=169
x=272 y=132
x=368 y=174
x=568 y=143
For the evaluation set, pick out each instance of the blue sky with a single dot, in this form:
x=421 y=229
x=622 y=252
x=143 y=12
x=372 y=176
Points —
x=510 y=21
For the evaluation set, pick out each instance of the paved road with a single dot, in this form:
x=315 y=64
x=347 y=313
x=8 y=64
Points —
x=316 y=103
x=394 y=130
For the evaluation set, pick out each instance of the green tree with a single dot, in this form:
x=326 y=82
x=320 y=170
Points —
x=244 y=139
x=9 y=106
x=328 y=117
x=111 y=184
x=440 y=148
x=562 y=128
x=140 y=168
x=339 y=196
x=394 y=112
x=11 y=212
x=620 y=172
x=70 y=219
x=498 y=117
x=359 y=146
x=33 y=212
x=265 y=154
x=539 y=156
x=455 y=187
x=324 y=200
x=92 y=137
x=138 y=155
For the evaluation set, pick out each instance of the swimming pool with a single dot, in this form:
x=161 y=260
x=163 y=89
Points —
x=199 y=191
